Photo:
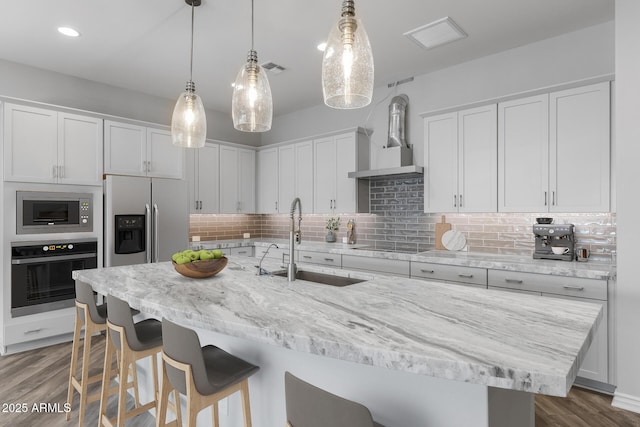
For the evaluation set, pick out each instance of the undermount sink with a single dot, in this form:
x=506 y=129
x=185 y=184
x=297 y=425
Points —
x=325 y=279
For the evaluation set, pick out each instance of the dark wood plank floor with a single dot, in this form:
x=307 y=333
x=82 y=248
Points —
x=40 y=376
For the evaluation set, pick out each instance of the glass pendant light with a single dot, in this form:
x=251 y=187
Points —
x=189 y=123
x=252 y=106
x=347 y=64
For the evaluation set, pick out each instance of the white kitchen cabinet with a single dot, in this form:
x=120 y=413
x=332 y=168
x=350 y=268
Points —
x=140 y=151
x=51 y=147
x=286 y=177
x=237 y=180
x=595 y=366
x=334 y=157
x=461 y=160
x=267 y=184
x=579 y=155
x=304 y=176
x=204 y=179
x=547 y=144
x=280 y=177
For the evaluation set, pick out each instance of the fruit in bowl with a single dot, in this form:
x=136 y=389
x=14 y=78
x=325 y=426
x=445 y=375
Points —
x=199 y=264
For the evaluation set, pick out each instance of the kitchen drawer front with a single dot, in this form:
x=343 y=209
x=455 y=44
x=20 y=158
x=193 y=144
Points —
x=449 y=273
x=559 y=285
x=273 y=252
x=241 y=251
x=517 y=291
x=381 y=265
x=322 y=258
x=44 y=327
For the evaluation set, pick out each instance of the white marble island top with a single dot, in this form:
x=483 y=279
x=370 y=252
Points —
x=479 y=336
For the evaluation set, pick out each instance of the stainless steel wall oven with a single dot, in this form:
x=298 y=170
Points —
x=41 y=273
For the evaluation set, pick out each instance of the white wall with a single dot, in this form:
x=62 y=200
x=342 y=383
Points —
x=35 y=84
x=570 y=57
x=627 y=107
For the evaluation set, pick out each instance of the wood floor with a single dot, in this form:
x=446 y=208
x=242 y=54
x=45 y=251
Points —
x=40 y=377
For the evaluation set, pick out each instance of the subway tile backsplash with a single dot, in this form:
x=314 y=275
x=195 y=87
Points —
x=397 y=223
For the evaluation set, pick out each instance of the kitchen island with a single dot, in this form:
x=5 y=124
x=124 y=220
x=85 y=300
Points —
x=416 y=353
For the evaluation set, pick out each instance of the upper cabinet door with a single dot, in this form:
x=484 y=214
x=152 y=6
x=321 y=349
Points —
x=30 y=144
x=79 y=149
x=228 y=179
x=247 y=181
x=441 y=161
x=267 y=184
x=523 y=155
x=209 y=178
x=125 y=149
x=345 y=200
x=304 y=175
x=324 y=157
x=478 y=159
x=286 y=178
x=580 y=149
x=164 y=160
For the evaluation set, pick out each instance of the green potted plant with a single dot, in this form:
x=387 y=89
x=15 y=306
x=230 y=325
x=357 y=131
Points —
x=333 y=224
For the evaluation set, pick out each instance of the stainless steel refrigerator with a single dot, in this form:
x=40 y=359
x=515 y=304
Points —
x=145 y=219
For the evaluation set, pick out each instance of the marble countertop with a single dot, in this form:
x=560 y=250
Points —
x=494 y=338
x=587 y=270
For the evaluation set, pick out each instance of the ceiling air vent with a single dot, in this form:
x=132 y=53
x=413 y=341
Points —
x=273 y=68
x=436 y=33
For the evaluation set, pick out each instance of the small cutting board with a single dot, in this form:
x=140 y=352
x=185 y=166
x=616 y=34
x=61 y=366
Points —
x=441 y=228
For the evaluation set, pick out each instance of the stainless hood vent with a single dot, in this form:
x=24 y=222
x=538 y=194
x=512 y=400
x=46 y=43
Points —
x=396 y=158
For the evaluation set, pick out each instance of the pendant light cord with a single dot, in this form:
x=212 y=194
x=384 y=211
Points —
x=252 y=25
x=192 y=20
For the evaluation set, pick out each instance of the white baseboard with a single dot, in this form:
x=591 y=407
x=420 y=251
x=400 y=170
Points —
x=626 y=401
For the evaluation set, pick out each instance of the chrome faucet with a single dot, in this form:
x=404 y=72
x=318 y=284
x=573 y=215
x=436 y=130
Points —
x=294 y=236
x=262 y=271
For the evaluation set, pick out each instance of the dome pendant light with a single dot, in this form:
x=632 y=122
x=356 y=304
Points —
x=189 y=123
x=347 y=64
x=252 y=106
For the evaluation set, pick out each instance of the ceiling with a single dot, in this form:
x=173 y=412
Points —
x=144 y=44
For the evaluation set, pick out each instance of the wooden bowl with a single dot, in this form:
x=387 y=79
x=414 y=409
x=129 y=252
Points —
x=202 y=268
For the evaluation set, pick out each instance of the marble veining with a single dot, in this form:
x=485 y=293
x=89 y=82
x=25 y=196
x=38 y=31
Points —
x=481 y=336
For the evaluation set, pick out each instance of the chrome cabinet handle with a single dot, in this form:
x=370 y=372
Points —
x=553 y=198
x=574 y=288
x=427 y=271
x=455 y=201
x=329 y=259
x=156 y=248
x=200 y=204
x=32 y=331
x=196 y=202
x=545 y=198
x=461 y=200
x=276 y=206
x=517 y=281
x=242 y=252
x=147 y=214
x=466 y=276
x=306 y=257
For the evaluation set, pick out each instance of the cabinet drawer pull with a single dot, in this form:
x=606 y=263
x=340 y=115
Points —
x=242 y=252
x=461 y=200
x=545 y=198
x=427 y=271
x=306 y=257
x=33 y=331
x=329 y=259
x=574 y=288
x=517 y=281
x=466 y=276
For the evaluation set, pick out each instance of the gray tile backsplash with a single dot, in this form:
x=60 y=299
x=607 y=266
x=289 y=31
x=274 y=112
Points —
x=397 y=223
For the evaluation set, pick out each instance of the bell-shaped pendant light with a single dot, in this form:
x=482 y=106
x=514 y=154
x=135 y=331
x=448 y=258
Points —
x=347 y=64
x=252 y=106
x=189 y=123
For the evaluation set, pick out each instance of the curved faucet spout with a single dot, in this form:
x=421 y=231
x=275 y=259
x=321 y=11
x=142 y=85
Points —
x=294 y=236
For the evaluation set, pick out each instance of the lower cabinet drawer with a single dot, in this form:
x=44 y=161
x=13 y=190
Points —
x=42 y=326
x=241 y=251
x=544 y=283
x=322 y=258
x=449 y=273
x=272 y=252
x=381 y=265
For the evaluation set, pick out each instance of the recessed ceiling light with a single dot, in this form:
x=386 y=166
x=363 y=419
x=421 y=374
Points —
x=322 y=46
x=68 y=31
x=436 y=33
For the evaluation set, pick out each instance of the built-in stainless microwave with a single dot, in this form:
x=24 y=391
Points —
x=53 y=212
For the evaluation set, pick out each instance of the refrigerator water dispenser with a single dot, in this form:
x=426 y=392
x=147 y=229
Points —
x=130 y=234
